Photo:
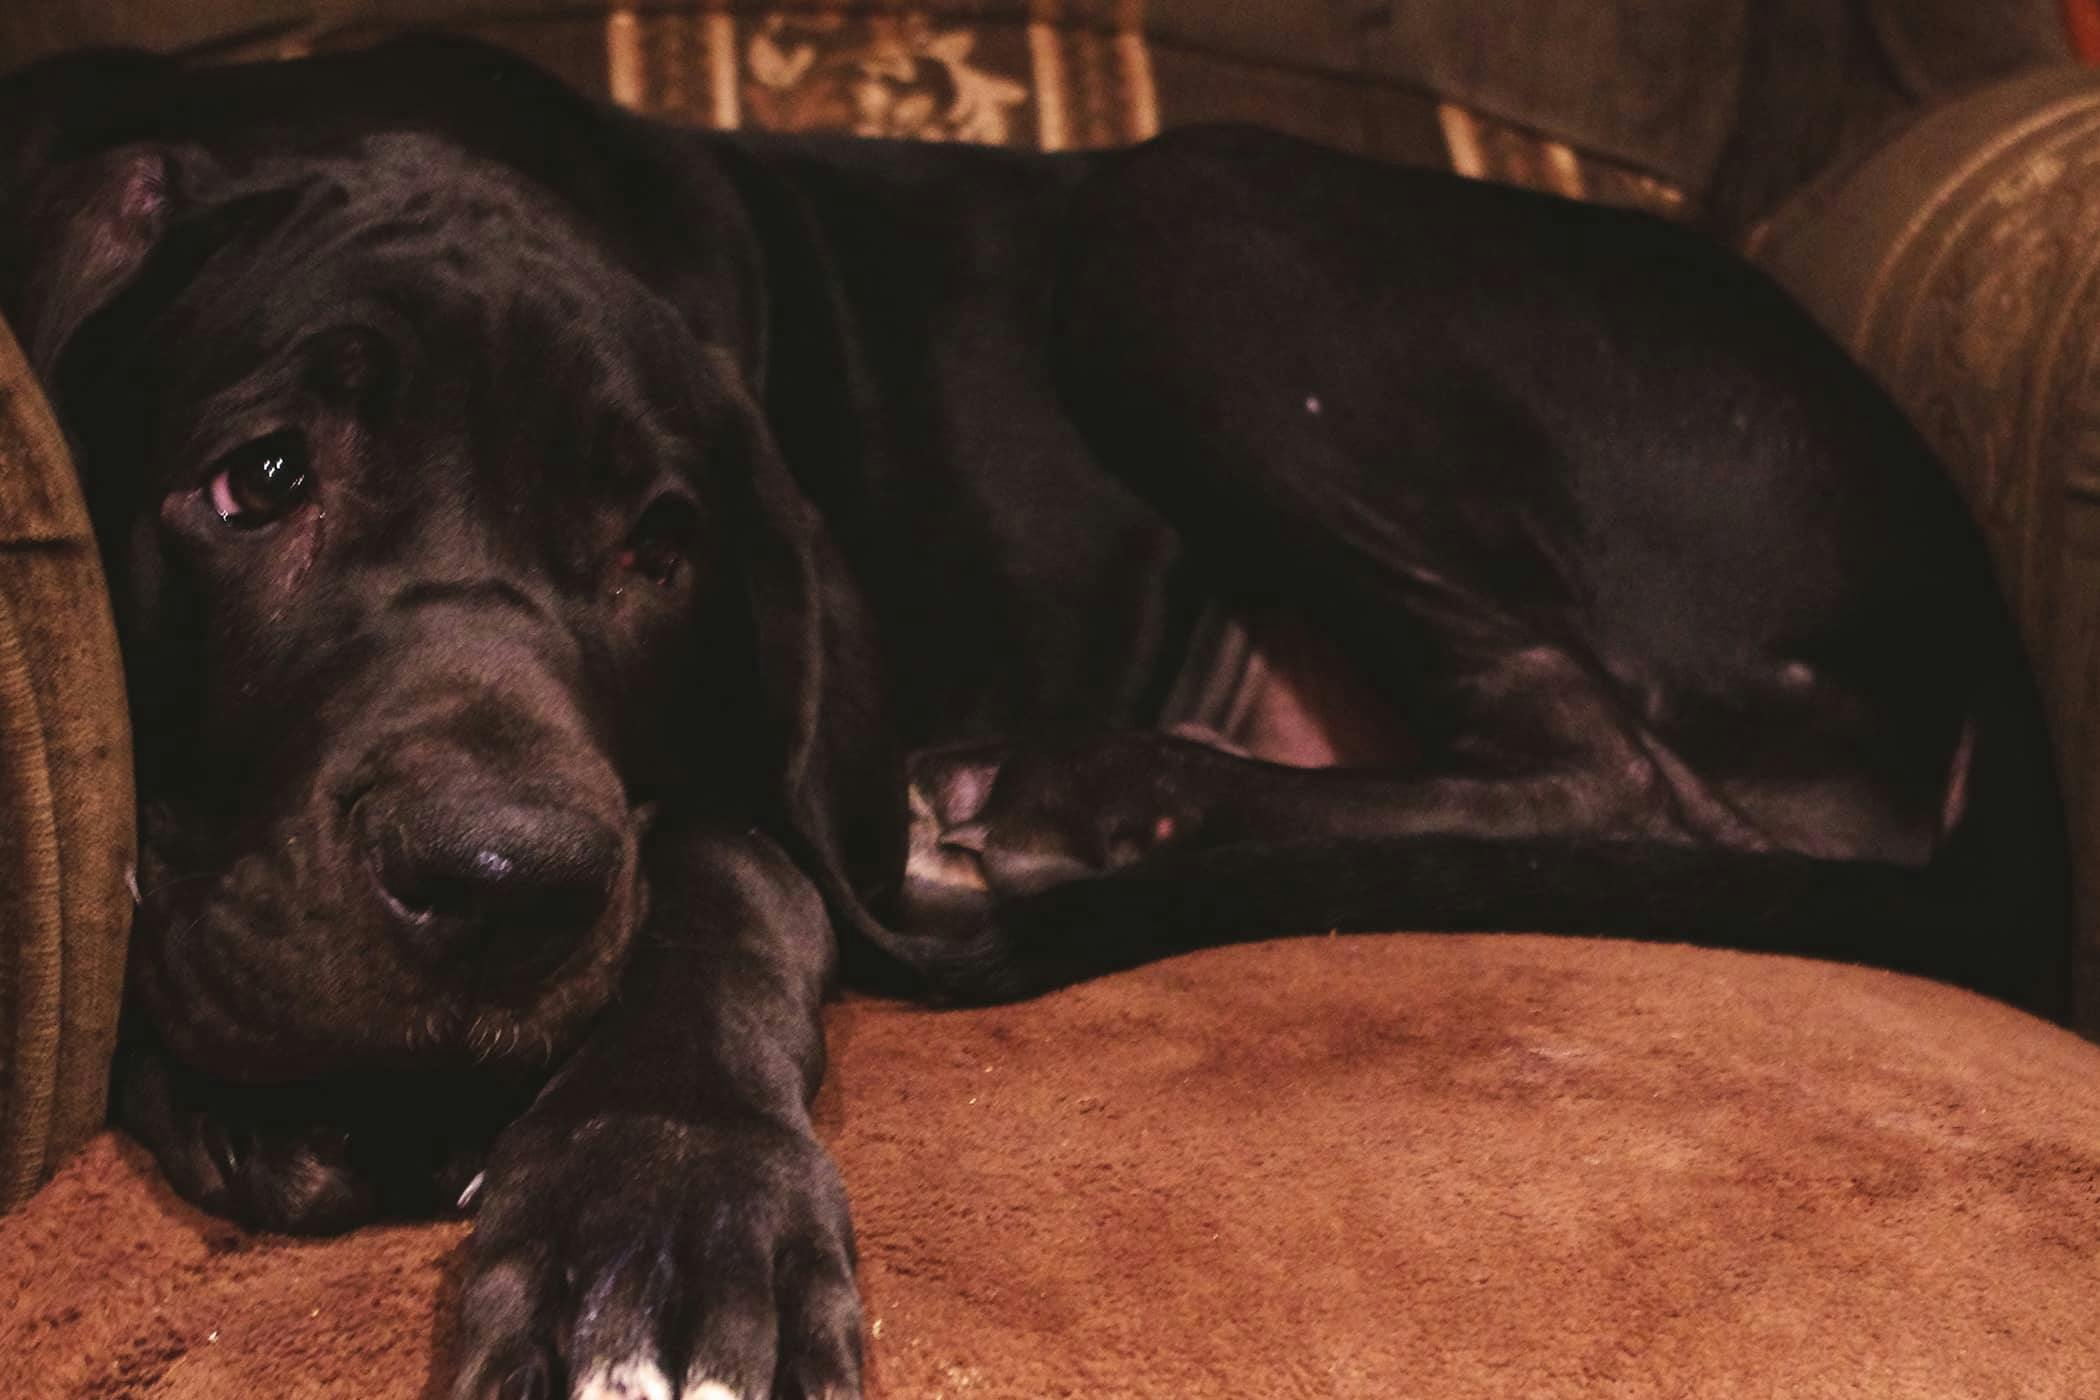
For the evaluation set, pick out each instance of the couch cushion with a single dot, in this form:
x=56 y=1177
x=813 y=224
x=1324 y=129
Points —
x=1426 y=1166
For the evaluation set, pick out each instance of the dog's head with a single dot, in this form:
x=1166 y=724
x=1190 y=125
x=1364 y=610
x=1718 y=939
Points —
x=418 y=408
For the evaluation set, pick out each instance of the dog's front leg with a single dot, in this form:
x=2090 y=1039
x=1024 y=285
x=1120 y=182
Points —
x=663 y=1221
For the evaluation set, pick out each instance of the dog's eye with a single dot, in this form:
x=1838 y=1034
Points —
x=661 y=542
x=261 y=481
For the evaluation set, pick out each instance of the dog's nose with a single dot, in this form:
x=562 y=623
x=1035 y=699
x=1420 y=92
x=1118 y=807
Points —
x=506 y=889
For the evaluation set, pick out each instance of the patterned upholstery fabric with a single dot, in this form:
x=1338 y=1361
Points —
x=1038 y=74
x=1733 y=102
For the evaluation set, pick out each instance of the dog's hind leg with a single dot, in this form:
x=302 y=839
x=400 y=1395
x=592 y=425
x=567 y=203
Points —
x=1695 y=640
x=1036 y=867
x=992 y=824
x=1637 y=462
x=1626 y=544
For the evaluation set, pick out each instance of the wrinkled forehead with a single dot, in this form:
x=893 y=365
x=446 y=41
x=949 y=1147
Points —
x=473 y=280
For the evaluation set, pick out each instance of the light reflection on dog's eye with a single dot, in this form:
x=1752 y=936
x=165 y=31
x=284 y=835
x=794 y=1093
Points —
x=261 y=481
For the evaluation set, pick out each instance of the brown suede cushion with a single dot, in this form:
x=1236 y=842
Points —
x=1420 y=1166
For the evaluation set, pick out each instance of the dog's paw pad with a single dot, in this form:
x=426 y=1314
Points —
x=951 y=785
x=992 y=823
x=941 y=853
x=944 y=878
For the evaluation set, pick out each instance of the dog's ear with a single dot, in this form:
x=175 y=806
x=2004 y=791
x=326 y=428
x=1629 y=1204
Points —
x=834 y=753
x=832 y=745
x=93 y=226
x=82 y=199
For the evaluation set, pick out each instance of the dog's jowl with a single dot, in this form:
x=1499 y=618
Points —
x=583 y=583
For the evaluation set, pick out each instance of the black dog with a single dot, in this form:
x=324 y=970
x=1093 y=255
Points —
x=569 y=567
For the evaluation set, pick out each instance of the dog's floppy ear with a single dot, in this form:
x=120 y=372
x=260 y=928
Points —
x=93 y=230
x=840 y=772
x=82 y=202
x=834 y=752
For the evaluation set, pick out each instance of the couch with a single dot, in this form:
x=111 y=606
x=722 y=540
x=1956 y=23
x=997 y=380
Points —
x=1427 y=1165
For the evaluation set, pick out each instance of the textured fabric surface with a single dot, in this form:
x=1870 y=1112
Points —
x=1421 y=1166
x=1661 y=86
x=1957 y=263
x=1655 y=86
x=65 y=799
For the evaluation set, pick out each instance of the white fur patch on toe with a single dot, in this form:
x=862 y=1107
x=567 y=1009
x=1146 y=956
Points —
x=629 y=1380
x=696 y=1389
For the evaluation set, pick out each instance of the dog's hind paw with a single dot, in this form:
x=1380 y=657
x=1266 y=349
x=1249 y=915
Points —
x=641 y=1257
x=944 y=878
x=992 y=822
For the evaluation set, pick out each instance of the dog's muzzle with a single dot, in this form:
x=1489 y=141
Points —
x=479 y=886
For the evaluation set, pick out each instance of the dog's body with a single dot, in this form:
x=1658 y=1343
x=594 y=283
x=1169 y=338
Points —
x=570 y=567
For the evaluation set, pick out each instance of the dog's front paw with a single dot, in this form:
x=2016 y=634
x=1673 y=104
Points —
x=242 y=1153
x=641 y=1257
x=309 y=1157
